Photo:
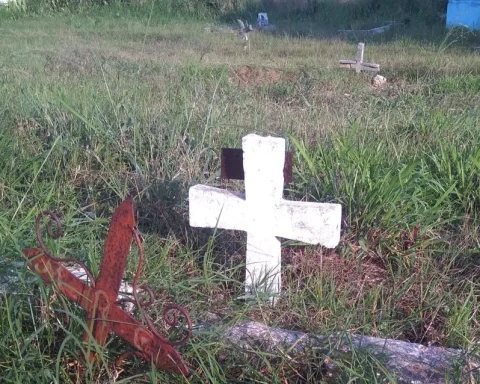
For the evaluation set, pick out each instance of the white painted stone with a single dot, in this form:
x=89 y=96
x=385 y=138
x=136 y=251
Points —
x=264 y=214
x=13 y=276
x=378 y=81
x=126 y=290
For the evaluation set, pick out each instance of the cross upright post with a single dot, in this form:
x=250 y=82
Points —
x=360 y=52
x=264 y=214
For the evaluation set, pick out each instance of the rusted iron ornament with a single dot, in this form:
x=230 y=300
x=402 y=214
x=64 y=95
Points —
x=99 y=299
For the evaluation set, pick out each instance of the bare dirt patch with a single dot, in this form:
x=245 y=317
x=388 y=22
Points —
x=346 y=272
x=250 y=76
x=78 y=62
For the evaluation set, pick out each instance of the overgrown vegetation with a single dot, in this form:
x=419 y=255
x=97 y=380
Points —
x=320 y=10
x=99 y=102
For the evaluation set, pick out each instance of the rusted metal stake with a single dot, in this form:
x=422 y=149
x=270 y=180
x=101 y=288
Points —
x=99 y=299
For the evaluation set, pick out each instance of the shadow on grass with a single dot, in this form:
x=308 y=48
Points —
x=163 y=210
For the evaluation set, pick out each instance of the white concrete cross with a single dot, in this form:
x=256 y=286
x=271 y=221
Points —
x=358 y=63
x=264 y=214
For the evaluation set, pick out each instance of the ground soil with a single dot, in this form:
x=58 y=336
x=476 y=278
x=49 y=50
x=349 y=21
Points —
x=250 y=76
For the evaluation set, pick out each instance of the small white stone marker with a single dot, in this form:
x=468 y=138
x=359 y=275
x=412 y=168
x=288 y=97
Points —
x=264 y=214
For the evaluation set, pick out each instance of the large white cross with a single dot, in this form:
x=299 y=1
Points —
x=264 y=214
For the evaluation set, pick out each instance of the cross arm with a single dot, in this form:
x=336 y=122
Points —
x=216 y=208
x=312 y=223
x=370 y=67
x=148 y=344
x=354 y=64
x=348 y=63
x=53 y=272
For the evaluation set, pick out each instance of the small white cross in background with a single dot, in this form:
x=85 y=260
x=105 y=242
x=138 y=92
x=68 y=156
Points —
x=264 y=214
x=358 y=64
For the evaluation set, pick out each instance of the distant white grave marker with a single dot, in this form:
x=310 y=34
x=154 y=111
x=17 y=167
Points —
x=262 y=19
x=264 y=214
x=358 y=63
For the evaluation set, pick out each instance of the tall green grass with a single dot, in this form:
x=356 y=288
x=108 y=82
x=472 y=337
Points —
x=105 y=101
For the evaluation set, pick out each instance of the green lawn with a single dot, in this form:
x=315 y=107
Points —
x=115 y=100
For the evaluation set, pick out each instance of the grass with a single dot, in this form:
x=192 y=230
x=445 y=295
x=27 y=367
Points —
x=122 y=99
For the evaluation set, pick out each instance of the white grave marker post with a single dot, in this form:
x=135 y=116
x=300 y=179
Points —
x=264 y=214
x=358 y=63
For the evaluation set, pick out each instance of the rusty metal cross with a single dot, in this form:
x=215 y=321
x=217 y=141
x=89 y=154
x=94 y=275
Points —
x=99 y=299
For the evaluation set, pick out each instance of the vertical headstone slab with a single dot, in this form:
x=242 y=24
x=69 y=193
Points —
x=287 y=169
x=232 y=165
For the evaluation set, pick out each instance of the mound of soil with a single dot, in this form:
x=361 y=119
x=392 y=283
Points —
x=248 y=76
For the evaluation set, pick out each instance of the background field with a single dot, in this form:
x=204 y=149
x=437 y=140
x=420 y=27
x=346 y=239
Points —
x=98 y=102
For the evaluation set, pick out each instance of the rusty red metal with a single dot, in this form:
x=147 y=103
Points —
x=99 y=299
x=232 y=165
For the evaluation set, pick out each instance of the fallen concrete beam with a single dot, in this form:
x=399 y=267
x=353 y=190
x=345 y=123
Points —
x=409 y=362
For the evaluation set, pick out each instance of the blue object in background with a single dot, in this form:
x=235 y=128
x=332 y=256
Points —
x=465 y=13
x=262 y=19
